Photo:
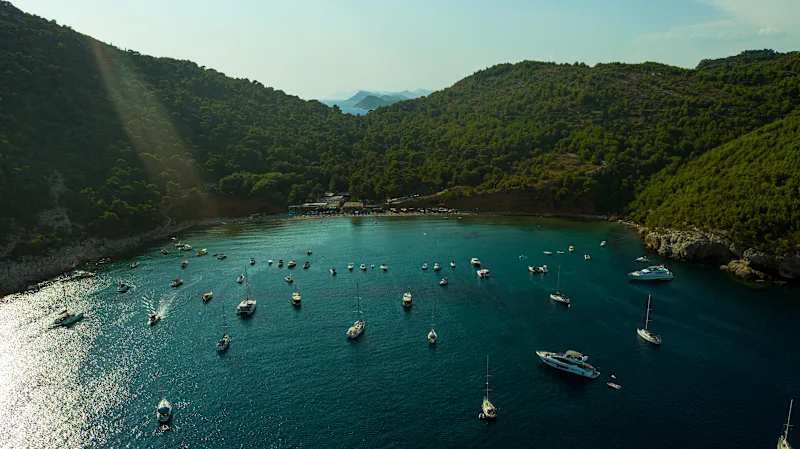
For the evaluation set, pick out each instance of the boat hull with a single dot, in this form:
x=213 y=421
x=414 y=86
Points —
x=71 y=320
x=649 y=337
x=573 y=369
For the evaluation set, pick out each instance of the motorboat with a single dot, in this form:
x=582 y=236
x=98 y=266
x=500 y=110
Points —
x=180 y=244
x=207 y=296
x=424 y=266
x=556 y=294
x=64 y=318
x=453 y=263
x=306 y=264
x=613 y=385
x=288 y=279
x=280 y=262
x=783 y=440
x=202 y=252
x=291 y=264
x=437 y=266
x=186 y=248
x=252 y=261
x=603 y=243
x=163 y=251
x=164 y=410
x=538 y=270
x=333 y=271
x=123 y=287
x=559 y=252
x=642 y=259
x=547 y=253
x=372 y=266
x=488 y=410
x=407 y=302
x=269 y=262
x=357 y=328
x=586 y=257
x=223 y=342
x=222 y=257
x=82 y=275
x=475 y=262
x=134 y=264
x=652 y=273
x=646 y=333
x=152 y=319
x=384 y=267
x=350 y=267
x=571 y=248
x=483 y=273
x=184 y=263
x=240 y=279
x=214 y=255
x=571 y=361
x=363 y=267
x=295 y=298
x=444 y=282
x=177 y=282
x=308 y=252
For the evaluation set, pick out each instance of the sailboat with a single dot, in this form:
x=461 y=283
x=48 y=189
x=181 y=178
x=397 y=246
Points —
x=225 y=341
x=247 y=306
x=783 y=441
x=358 y=327
x=432 y=334
x=64 y=318
x=646 y=333
x=488 y=411
x=295 y=297
x=557 y=295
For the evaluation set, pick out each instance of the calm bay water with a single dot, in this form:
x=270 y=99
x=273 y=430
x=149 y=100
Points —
x=722 y=378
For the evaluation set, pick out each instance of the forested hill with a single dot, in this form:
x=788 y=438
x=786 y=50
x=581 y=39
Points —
x=97 y=140
x=748 y=188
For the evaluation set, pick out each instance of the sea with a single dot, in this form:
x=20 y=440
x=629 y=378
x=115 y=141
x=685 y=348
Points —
x=723 y=376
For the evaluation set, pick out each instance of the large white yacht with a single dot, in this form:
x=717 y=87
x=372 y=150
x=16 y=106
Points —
x=646 y=333
x=652 y=273
x=164 y=410
x=571 y=361
x=783 y=441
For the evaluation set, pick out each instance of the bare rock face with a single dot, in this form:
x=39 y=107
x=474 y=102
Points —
x=787 y=267
x=690 y=246
x=741 y=268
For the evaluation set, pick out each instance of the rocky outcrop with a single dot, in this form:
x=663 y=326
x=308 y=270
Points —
x=705 y=247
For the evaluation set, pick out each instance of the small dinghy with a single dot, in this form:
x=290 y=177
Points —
x=614 y=385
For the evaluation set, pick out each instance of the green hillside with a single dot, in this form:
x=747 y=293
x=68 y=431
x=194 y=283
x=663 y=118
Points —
x=748 y=188
x=95 y=140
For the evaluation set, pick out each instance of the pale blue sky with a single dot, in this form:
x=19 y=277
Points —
x=316 y=48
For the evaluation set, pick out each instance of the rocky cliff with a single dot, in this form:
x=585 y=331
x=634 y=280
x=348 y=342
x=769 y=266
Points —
x=703 y=247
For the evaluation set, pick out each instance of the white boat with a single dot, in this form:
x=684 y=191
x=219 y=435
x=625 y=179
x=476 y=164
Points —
x=453 y=263
x=177 y=283
x=64 y=318
x=247 y=306
x=614 y=385
x=295 y=297
x=437 y=266
x=571 y=248
x=123 y=287
x=152 y=319
x=306 y=264
x=164 y=251
x=222 y=257
x=207 y=296
x=652 y=273
x=646 y=333
x=547 y=253
x=384 y=267
x=82 y=275
x=783 y=440
x=308 y=252
x=269 y=262
x=280 y=263
x=603 y=243
x=372 y=266
x=291 y=264
x=240 y=279
x=488 y=410
x=202 y=252
x=432 y=334
x=483 y=273
x=164 y=410
x=586 y=257
x=184 y=263
x=186 y=248
x=475 y=262
x=333 y=271
x=225 y=341
x=444 y=282
x=358 y=326
x=556 y=295
x=363 y=267
x=179 y=245
x=424 y=266
x=134 y=264
x=643 y=259
x=538 y=270
x=252 y=261
x=407 y=302
x=571 y=361
x=350 y=267
x=288 y=279
x=559 y=252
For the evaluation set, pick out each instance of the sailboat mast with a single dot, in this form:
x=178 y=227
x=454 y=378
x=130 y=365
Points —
x=788 y=420
x=558 y=279
x=487 y=377
x=647 y=315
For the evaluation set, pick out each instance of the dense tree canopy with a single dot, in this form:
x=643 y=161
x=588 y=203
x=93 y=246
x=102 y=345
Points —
x=95 y=139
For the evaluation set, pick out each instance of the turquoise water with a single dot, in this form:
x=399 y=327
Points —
x=291 y=378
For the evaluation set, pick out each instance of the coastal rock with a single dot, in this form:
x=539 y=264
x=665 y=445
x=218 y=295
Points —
x=741 y=268
x=690 y=246
x=787 y=267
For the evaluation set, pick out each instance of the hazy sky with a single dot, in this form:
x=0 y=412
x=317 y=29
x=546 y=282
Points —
x=318 y=49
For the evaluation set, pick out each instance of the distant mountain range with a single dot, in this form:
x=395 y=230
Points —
x=364 y=100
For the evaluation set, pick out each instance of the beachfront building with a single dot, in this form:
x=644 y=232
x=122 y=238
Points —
x=352 y=207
